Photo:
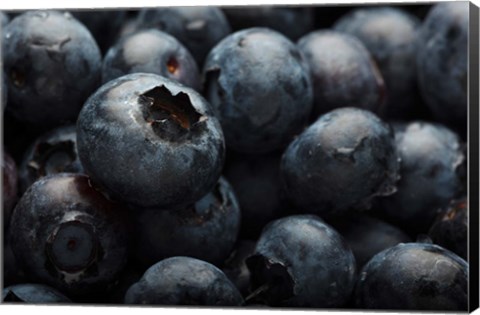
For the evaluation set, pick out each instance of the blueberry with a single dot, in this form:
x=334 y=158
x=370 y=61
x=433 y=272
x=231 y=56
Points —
x=343 y=72
x=103 y=24
x=235 y=267
x=9 y=186
x=414 y=277
x=450 y=229
x=206 y=230
x=198 y=28
x=342 y=161
x=300 y=261
x=150 y=142
x=4 y=19
x=33 y=294
x=51 y=153
x=151 y=51
x=368 y=236
x=390 y=35
x=256 y=182
x=52 y=64
x=259 y=84
x=66 y=234
x=291 y=22
x=442 y=63
x=184 y=281
x=431 y=157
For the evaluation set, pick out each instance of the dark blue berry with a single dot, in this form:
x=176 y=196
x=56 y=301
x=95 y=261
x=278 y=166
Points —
x=33 y=294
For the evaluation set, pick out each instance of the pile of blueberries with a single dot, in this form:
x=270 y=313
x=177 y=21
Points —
x=300 y=157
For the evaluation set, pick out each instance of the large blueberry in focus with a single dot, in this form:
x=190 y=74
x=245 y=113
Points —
x=33 y=294
x=450 y=229
x=293 y=22
x=206 y=230
x=151 y=51
x=259 y=84
x=342 y=161
x=442 y=63
x=414 y=276
x=66 y=234
x=390 y=35
x=299 y=261
x=51 y=153
x=184 y=281
x=198 y=28
x=368 y=236
x=52 y=64
x=432 y=156
x=150 y=141
x=343 y=72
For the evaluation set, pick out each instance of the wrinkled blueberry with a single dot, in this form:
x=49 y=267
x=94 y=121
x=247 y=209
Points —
x=257 y=185
x=390 y=35
x=259 y=84
x=52 y=153
x=342 y=161
x=368 y=236
x=150 y=141
x=103 y=24
x=66 y=234
x=206 y=230
x=450 y=229
x=414 y=277
x=299 y=261
x=291 y=22
x=33 y=293
x=151 y=51
x=52 y=64
x=442 y=63
x=343 y=72
x=9 y=186
x=431 y=156
x=198 y=28
x=184 y=281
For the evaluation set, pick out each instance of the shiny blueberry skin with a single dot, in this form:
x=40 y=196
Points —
x=33 y=293
x=291 y=22
x=368 y=236
x=343 y=72
x=431 y=156
x=206 y=230
x=257 y=185
x=390 y=35
x=259 y=84
x=414 y=276
x=198 y=28
x=150 y=141
x=51 y=153
x=184 y=281
x=52 y=64
x=442 y=63
x=103 y=24
x=450 y=229
x=9 y=186
x=302 y=262
x=342 y=161
x=66 y=234
x=151 y=51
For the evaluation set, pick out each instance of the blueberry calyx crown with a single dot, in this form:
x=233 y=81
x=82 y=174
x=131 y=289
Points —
x=172 y=117
x=73 y=246
x=52 y=158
